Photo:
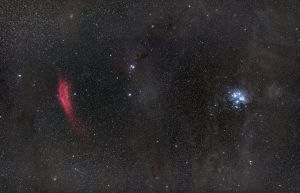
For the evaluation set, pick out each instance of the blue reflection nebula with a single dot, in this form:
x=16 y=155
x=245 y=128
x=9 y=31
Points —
x=238 y=98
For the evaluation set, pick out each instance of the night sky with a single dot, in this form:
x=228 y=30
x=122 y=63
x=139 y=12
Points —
x=149 y=96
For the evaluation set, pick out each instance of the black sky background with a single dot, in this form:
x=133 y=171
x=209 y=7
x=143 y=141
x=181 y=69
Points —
x=167 y=125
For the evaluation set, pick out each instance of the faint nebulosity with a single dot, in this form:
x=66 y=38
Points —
x=149 y=96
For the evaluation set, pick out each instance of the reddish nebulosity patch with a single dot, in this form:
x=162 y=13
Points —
x=63 y=94
x=64 y=99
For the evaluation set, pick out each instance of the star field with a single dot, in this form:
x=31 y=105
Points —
x=147 y=96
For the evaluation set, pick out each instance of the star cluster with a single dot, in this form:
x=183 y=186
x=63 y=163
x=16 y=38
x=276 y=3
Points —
x=237 y=98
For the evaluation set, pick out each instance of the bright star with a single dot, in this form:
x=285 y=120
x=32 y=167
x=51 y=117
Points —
x=132 y=67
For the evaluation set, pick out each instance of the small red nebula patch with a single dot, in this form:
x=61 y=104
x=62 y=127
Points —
x=63 y=94
x=64 y=99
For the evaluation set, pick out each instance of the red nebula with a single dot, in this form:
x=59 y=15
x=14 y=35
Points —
x=63 y=94
x=64 y=99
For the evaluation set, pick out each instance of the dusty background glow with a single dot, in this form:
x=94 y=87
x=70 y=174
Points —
x=149 y=96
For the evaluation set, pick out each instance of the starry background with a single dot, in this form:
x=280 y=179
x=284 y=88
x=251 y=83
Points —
x=175 y=96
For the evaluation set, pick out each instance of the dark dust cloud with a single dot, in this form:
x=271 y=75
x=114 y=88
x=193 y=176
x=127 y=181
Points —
x=149 y=96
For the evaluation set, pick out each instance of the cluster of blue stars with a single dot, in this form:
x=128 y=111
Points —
x=238 y=98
